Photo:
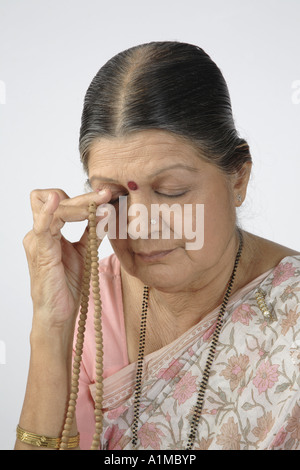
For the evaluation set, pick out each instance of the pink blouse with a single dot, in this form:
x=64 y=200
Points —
x=114 y=343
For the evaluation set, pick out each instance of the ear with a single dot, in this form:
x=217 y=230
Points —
x=240 y=183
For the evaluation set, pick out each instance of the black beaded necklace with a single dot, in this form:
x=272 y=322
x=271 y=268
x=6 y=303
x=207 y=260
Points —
x=211 y=354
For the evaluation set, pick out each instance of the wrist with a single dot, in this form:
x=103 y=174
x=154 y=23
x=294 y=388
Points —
x=52 y=334
x=42 y=441
x=51 y=345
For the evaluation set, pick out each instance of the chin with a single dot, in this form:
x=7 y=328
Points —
x=168 y=278
x=163 y=285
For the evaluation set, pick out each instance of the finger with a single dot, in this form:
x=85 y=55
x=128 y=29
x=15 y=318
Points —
x=77 y=209
x=38 y=197
x=82 y=243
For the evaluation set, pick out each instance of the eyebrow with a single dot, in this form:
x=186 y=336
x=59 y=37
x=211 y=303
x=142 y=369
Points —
x=161 y=170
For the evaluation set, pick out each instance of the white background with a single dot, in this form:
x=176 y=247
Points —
x=49 y=52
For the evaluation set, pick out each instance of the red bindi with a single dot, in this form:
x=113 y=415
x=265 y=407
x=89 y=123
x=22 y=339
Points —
x=132 y=185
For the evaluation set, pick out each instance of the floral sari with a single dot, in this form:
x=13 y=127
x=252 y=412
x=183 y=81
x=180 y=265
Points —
x=252 y=401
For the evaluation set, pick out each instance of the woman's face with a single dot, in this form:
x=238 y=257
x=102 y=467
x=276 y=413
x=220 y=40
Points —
x=148 y=158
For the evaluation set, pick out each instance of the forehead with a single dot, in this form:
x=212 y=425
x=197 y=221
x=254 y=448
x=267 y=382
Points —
x=144 y=150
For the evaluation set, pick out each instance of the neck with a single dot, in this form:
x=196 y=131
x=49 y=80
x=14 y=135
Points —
x=188 y=306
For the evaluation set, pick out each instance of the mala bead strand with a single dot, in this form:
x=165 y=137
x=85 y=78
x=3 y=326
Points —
x=97 y=327
x=91 y=274
x=78 y=353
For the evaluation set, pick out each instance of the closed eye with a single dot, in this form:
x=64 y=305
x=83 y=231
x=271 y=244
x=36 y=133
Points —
x=171 y=195
x=115 y=201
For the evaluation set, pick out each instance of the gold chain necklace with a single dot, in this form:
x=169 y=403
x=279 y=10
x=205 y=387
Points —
x=211 y=354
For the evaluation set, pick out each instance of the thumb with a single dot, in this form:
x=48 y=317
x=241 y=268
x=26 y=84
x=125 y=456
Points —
x=42 y=223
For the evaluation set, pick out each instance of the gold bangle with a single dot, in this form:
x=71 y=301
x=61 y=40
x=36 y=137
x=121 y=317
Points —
x=44 y=441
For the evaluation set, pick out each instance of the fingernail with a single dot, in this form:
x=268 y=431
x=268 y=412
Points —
x=102 y=192
x=47 y=203
x=49 y=199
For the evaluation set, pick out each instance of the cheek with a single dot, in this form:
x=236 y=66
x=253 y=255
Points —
x=220 y=212
x=214 y=213
x=219 y=221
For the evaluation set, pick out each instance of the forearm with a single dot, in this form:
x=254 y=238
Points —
x=48 y=387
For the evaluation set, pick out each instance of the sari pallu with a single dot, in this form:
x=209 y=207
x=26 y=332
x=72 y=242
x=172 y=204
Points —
x=252 y=401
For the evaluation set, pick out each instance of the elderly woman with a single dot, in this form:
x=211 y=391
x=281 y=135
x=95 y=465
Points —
x=201 y=343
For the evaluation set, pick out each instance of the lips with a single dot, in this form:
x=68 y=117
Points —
x=152 y=253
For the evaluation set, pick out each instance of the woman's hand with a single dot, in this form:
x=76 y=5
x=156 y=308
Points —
x=55 y=264
x=56 y=270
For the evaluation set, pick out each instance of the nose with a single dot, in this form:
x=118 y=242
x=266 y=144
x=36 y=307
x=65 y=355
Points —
x=139 y=221
x=139 y=218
